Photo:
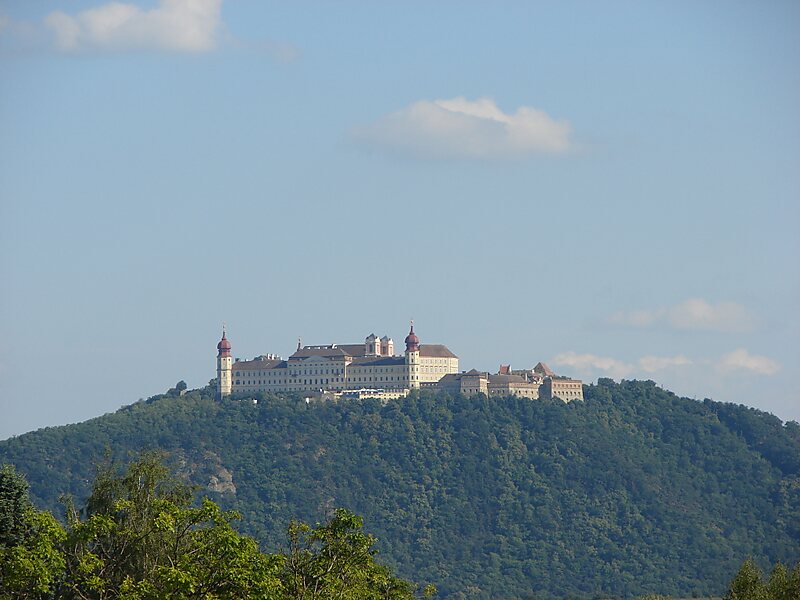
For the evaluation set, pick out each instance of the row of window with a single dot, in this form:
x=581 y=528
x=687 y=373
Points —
x=319 y=381
x=329 y=371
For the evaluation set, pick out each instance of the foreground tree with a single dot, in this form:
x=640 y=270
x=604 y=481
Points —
x=748 y=583
x=140 y=538
x=31 y=561
x=336 y=560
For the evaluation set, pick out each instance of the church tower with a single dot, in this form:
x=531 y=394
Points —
x=412 y=358
x=224 y=367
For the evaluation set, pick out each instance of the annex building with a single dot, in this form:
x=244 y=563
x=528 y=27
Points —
x=337 y=367
x=539 y=382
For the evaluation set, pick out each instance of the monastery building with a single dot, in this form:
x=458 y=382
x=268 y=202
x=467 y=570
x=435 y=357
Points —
x=372 y=370
x=336 y=367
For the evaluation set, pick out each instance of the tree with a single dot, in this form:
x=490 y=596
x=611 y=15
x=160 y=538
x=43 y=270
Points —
x=31 y=563
x=179 y=388
x=336 y=560
x=207 y=558
x=14 y=507
x=747 y=583
x=141 y=538
x=783 y=585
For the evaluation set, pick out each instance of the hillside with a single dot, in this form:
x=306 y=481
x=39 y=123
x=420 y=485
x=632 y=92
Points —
x=632 y=491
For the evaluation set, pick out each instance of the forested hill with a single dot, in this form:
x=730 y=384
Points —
x=633 y=491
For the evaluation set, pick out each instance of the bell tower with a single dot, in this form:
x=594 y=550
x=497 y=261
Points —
x=224 y=367
x=412 y=358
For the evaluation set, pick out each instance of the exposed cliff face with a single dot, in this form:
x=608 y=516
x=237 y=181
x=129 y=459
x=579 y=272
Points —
x=205 y=469
x=221 y=482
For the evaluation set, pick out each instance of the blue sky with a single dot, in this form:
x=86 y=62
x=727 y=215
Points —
x=612 y=188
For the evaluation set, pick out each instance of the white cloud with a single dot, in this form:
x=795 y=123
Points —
x=461 y=128
x=173 y=25
x=591 y=362
x=741 y=359
x=738 y=360
x=652 y=364
x=617 y=369
x=694 y=314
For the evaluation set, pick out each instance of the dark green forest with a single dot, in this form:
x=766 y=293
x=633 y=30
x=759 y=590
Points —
x=634 y=491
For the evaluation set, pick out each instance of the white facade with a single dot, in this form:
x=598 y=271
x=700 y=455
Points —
x=337 y=368
x=224 y=367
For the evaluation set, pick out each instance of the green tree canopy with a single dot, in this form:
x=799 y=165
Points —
x=31 y=561
x=139 y=537
x=748 y=583
x=633 y=491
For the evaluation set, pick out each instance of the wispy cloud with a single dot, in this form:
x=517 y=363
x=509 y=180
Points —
x=654 y=364
x=694 y=314
x=173 y=25
x=592 y=363
x=739 y=360
x=461 y=128
x=742 y=360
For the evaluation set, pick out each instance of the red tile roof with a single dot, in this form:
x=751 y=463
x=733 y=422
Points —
x=543 y=369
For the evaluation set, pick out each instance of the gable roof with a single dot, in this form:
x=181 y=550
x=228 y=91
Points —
x=500 y=379
x=543 y=369
x=323 y=351
x=451 y=377
x=435 y=351
x=352 y=349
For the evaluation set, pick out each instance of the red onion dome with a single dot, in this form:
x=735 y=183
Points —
x=224 y=346
x=412 y=341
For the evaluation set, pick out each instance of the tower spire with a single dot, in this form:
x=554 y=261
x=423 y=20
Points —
x=412 y=341
x=224 y=364
x=224 y=345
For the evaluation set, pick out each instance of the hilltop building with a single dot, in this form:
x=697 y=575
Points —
x=539 y=382
x=371 y=370
x=563 y=388
x=337 y=367
x=501 y=384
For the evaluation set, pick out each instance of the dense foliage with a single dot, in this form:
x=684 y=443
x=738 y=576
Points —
x=633 y=491
x=749 y=583
x=140 y=538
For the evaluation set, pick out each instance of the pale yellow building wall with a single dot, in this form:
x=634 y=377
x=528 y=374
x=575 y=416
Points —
x=474 y=384
x=224 y=377
x=377 y=376
x=432 y=368
x=315 y=373
x=566 y=389
x=413 y=366
x=523 y=390
x=302 y=376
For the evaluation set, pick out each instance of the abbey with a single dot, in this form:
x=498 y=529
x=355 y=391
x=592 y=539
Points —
x=372 y=370
x=337 y=368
